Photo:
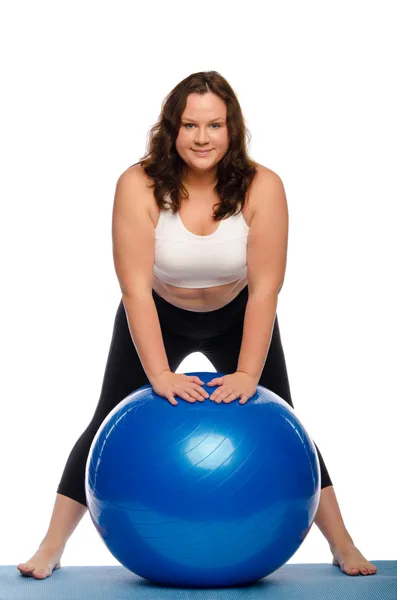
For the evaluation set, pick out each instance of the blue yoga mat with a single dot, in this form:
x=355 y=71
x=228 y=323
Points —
x=290 y=582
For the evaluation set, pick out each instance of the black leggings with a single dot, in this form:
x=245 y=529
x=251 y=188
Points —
x=217 y=334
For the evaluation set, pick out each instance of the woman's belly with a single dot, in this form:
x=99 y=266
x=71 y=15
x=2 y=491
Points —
x=199 y=299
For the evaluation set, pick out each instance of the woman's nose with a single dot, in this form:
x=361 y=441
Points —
x=202 y=137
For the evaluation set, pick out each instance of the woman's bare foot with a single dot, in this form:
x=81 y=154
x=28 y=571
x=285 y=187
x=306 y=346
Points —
x=352 y=562
x=42 y=563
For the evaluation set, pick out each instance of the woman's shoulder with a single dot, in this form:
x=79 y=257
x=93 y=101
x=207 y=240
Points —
x=135 y=185
x=260 y=183
x=138 y=181
x=137 y=173
x=263 y=173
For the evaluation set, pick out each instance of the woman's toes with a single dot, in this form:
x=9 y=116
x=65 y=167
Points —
x=347 y=557
x=40 y=573
x=25 y=567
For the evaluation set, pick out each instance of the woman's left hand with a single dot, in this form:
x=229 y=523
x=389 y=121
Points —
x=233 y=386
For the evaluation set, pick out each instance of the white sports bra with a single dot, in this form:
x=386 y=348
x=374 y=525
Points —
x=187 y=260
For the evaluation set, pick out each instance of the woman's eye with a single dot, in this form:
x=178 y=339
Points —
x=216 y=124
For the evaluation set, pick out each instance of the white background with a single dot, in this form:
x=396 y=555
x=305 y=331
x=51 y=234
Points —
x=82 y=84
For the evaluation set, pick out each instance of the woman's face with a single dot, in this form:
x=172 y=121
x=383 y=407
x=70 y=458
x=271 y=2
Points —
x=203 y=126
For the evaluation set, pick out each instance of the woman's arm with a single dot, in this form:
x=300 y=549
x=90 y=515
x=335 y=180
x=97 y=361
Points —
x=145 y=330
x=266 y=265
x=133 y=255
x=260 y=315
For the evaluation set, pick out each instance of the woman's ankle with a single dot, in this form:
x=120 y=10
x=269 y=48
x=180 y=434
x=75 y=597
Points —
x=54 y=544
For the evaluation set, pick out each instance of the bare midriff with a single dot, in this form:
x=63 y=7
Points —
x=196 y=214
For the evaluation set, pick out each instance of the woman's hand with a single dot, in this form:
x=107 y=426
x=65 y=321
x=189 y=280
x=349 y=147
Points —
x=237 y=385
x=168 y=384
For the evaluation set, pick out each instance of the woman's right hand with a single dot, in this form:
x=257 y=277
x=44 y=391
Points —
x=187 y=387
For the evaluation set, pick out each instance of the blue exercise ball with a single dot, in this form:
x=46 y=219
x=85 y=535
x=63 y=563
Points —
x=202 y=494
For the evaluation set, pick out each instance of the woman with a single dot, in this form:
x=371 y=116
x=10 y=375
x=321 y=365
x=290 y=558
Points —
x=194 y=280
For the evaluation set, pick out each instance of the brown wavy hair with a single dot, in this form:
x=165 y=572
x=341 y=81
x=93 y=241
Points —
x=165 y=167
